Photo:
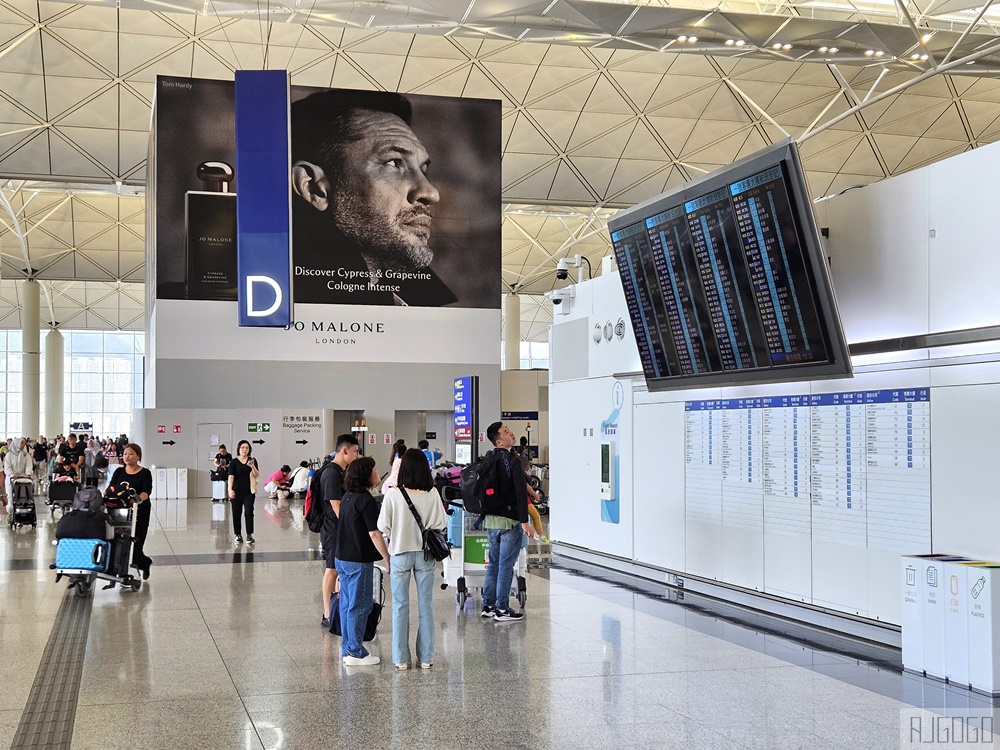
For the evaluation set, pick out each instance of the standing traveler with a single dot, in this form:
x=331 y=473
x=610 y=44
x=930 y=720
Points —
x=93 y=459
x=17 y=465
x=406 y=555
x=243 y=472
x=71 y=456
x=40 y=456
x=398 y=449
x=359 y=545
x=140 y=480
x=505 y=534
x=222 y=459
x=433 y=454
x=331 y=486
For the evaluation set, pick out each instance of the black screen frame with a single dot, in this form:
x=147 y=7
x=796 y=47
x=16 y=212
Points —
x=786 y=156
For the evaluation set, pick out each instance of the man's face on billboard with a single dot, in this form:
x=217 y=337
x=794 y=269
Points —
x=381 y=197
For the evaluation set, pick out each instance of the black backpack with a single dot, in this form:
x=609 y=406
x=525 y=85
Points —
x=314 y=501
x=479 y=487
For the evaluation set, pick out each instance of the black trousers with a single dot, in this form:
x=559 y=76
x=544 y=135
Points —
x=142 y=511
x=243 y=505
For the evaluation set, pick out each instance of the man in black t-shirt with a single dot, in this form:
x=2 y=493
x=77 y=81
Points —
x=40 y=455
x=71 y=454
x=332 y=489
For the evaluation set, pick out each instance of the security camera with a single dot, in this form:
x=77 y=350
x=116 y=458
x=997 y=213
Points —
x=563 y=266
x=558 y=295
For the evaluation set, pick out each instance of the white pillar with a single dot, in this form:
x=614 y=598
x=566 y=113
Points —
x=29 y=353
x=54 y=417
x=512 y=332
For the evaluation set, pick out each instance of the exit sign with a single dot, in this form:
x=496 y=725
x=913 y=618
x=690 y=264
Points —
x=258 y=426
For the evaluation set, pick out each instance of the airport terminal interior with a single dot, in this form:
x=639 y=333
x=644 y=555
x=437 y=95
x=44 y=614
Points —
x=221 y=648
x=715 y=568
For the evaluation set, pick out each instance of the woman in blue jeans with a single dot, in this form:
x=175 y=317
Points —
x=359 y=545
x=406 y=553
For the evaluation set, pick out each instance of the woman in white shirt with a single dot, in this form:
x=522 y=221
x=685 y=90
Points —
x=17 y=465
x=406 y=554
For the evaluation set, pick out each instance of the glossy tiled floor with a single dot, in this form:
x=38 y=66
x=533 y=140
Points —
x=223 y=649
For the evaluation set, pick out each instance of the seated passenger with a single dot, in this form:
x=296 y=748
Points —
x=300 y=479
x=279 y=483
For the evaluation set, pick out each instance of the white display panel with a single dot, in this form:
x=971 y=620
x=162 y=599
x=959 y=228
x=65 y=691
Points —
x=798 y=495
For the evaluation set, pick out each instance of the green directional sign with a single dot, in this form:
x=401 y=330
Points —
x=258 y=426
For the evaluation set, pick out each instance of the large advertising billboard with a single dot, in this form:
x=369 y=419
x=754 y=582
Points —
x=395 y=199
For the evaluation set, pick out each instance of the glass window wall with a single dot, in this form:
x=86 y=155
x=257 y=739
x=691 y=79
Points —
x=103 y=380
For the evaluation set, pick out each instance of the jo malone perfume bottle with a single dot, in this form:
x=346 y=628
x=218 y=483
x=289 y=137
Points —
x=210 y=221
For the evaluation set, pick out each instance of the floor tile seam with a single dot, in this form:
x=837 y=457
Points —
x=219 y=652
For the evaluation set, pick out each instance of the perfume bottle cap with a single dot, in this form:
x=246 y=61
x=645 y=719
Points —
x=216 y=175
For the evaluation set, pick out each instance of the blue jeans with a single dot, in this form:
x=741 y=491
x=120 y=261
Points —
x=356 y=582
x=505 y=546
x=423 y=573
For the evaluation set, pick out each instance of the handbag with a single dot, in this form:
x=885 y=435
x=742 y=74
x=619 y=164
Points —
x=435 y=543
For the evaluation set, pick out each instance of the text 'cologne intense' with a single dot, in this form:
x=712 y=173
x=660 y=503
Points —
x=210 y=219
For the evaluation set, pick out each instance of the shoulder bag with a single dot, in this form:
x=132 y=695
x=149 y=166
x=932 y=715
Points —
x=435 y=543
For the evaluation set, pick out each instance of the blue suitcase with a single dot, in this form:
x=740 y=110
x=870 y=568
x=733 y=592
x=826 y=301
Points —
x=83 y=554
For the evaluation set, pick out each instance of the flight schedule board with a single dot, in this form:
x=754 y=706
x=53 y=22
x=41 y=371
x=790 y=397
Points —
x=726 y=281
x=850 y=468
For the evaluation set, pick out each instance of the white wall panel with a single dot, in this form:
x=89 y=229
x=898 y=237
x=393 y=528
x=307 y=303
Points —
x=879 y=257
x=658 y=487
x=965 y=481
x=583 y=406
x=964 y=266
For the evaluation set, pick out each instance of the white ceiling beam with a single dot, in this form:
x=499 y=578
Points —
x=968 y=29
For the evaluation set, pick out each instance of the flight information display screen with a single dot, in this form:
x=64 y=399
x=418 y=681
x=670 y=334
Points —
x=726 y=281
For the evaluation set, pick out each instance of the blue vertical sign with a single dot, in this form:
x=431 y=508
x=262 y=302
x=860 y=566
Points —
x=263 y=198
x=463 y=410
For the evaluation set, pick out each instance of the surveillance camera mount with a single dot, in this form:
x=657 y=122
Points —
x=576 y=261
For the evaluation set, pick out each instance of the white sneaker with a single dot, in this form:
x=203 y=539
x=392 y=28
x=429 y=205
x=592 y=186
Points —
x=426 y=665
x=361 y=661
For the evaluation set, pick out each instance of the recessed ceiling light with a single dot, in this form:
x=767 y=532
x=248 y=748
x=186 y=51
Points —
x=833 y=50
x=692 y=39
x=740 y=42
x=869 y=53
x=923 y=57
x=730 y=42
x=823 y=49
x=927 y=37
x=879 y=53
x=776 y=45
x=915 y=56
x=682 y=38
x=786 y=46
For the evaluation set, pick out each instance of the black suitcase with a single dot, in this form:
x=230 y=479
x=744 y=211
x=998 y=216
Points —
x=83 y=524
x=62 y=493
x=121 y=554
x=23 y=515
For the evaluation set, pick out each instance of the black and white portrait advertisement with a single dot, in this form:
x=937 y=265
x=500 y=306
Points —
x=395 y=198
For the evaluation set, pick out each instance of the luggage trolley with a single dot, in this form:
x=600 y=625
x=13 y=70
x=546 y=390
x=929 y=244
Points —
x=22 y=497
x=466 y=568
x=84 y=560
x=61 y=494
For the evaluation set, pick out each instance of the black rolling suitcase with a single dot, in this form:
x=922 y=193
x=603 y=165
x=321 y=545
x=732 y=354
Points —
x=62 y=494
